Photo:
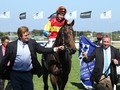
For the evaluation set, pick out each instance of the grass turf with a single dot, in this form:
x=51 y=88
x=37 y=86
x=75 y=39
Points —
x=73 y=81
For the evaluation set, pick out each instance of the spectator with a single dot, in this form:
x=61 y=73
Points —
x=4 y=42
x=98 y=42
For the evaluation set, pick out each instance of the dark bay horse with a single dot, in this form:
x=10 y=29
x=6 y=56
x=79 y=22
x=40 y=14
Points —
x=58 y=65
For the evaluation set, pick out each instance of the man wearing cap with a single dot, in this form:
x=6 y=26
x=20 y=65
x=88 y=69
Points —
x=99 y=37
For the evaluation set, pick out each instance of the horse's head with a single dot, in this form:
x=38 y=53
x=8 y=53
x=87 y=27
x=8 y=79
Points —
x=66 y=37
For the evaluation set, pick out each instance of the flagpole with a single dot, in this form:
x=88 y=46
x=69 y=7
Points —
x=76 y=35
x=111 y=35
x=110 y=14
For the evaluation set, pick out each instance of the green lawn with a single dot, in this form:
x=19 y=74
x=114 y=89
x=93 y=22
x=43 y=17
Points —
x=74 y=77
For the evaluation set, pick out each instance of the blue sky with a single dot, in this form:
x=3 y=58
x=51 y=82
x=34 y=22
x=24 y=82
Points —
x=49 y=6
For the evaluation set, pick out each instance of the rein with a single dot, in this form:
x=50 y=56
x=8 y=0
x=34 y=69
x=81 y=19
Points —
x=63 y=37
x=67 y=49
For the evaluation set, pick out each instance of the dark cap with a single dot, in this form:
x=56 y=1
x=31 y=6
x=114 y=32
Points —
x=99 y=35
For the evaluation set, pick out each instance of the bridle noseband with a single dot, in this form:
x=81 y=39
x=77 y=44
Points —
x=68 y=54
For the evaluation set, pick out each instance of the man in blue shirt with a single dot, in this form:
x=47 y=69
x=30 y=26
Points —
x=22 y=55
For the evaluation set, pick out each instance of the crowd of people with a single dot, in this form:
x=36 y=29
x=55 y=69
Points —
x=19 y=60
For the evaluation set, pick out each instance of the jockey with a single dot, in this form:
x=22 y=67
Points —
x=54 y=24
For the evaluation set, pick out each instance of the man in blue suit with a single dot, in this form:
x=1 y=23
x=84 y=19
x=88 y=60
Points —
x=22 y=55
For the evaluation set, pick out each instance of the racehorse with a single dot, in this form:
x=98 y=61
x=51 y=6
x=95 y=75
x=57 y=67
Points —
x=58 y=64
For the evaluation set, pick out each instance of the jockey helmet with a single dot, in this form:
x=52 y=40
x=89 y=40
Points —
x=61 y=10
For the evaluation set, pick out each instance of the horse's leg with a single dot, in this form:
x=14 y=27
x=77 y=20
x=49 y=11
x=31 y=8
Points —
x=59 y=84
x=53 y=80
x=45 y=81
x=64 y=81
x=45 y=76
x=65 y=76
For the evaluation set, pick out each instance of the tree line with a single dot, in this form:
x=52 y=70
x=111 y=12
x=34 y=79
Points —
x=114 y=35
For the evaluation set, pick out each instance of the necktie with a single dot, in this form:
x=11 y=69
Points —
x=106 y=63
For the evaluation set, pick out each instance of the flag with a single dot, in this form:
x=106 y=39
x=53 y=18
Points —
x=106 y=15
x=22 y=16
x=85 y=14
x=87 y=46
x=72 y=15
x=5 y=15
x=38 y=15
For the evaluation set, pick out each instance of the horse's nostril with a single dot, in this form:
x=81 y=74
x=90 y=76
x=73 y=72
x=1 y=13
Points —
x=73 y=51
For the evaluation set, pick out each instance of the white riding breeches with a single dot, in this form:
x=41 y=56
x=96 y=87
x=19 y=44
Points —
x=50 y=42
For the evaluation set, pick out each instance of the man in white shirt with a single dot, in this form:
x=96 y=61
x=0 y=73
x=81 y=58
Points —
x=107 y=57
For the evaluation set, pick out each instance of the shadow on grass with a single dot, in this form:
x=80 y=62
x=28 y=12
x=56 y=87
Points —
x=78 y=85
x=81 y=87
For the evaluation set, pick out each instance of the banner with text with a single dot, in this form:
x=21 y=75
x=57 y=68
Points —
x=85 y=45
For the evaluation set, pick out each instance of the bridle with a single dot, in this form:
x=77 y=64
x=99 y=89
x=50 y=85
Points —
x=66 y=45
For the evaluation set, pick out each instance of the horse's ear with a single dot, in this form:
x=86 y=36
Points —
x=72 y=23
